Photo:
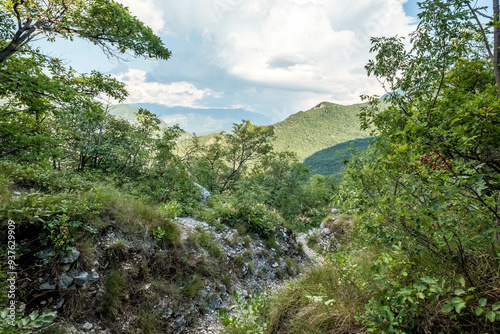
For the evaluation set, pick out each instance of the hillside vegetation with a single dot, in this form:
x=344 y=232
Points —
x=324 y=126
x=90 y=234
x=331 y=160
x=320 y=137
x=422 y=256
x=89 y=201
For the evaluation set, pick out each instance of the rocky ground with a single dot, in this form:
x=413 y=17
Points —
x=251 y=265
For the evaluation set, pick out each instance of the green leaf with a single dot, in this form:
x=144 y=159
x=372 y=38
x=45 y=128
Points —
x=34 y=315
x=447 y=308
x=428 y=280
x=491 y=316
x=459 y=307
x=461 y=280
x=478 y=311
x=482 y=302
x=24 y=321
x=495 y=306
x=456 y=300
x=459 y=292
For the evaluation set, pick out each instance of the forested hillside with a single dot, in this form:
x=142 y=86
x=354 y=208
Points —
x=331 y=160
x=321 y=137
x=321 y=127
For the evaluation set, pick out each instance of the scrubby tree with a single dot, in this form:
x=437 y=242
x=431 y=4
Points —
x=219 y=163
x=50 y=111
x=430 y=184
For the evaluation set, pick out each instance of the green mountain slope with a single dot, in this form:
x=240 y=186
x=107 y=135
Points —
x=320 y=136
x=319 y=128
x=329 y=160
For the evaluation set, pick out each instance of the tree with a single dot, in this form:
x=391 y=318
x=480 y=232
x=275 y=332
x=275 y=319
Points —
x=247 y=142
x=220 y=162
x=42 y=96
x=431 y=181
x=51 y=110
x=103 y=22
x=447 y=31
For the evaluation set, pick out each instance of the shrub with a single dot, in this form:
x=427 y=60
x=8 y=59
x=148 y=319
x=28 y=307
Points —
x=17 y=323
x=256 y=217
x=248 y=315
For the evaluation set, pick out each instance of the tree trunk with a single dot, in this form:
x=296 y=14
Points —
x=496 y=44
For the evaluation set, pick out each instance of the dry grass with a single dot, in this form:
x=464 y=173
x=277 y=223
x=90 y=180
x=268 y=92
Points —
x=292 y=312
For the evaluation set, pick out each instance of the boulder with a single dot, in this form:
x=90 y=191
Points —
x=71 y=257
x=64 y=282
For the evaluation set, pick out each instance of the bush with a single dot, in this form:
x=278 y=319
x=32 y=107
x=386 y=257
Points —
x=248 y=315
x=24 y=324
x=256 y=217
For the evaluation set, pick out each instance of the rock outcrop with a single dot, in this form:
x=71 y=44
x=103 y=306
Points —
x=234 y=261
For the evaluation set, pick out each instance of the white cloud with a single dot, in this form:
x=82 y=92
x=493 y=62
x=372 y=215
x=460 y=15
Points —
x=181 y=93
x=305 y=48
x=146 y=11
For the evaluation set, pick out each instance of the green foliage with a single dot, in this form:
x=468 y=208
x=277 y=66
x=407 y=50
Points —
x=105 y=23
x=171 y=209
x=280 y=182
x=57 y=217
x=430 y=182
x=256 y=217
x=319 y=128
x=328 y=297
x=168 y=233
x=399 y=302
x=14 y=322
x=248 y=315
x=220 y=162
x=428 y=189
x=331 y=160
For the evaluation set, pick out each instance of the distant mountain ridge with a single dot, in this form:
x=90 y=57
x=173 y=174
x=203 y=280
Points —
x=316 y=135
x=199 y=121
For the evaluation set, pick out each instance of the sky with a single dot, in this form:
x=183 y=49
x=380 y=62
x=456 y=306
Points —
x=274 y=57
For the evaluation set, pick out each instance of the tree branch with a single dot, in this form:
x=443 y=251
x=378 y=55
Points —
x=483 y=34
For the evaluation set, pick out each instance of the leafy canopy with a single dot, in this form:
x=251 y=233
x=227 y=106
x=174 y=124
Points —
x=105 y=23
